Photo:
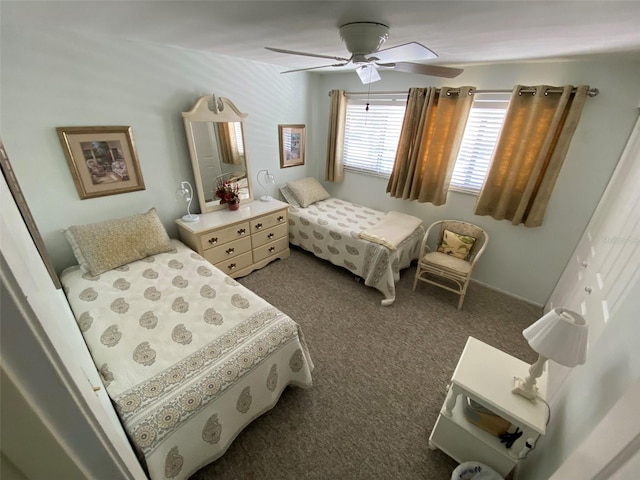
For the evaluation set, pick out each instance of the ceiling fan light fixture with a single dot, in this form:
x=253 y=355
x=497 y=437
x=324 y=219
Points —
x=364 y=37
x=368 y=74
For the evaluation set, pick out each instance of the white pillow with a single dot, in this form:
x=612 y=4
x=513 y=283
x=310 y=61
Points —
x=289 y=197
x=307 y=191
x=103 y=246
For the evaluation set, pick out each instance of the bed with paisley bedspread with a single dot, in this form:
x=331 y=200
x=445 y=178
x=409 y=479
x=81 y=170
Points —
x=188 y=356
x=331 y=229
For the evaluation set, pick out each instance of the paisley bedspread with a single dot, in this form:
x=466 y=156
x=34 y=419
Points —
x=330 y=230
x=187 y=354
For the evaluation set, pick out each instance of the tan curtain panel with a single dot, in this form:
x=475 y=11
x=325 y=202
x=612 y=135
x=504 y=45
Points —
x=334 y=171
x=533 y=143
x=228 y=144
x=432 y=130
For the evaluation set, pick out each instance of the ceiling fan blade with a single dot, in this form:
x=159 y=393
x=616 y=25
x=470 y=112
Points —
x=407 y=51
x=419 y=68
x=315 y=68
x=292 y=52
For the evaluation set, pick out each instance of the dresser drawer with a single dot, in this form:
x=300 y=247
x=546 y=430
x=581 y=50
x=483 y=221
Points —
x=269 y=235
x=224 y=235
x=228 y=250
x=268 y=221
x=235 y=264
x=269 y=249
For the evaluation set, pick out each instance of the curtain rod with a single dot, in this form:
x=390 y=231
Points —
x=592 y=92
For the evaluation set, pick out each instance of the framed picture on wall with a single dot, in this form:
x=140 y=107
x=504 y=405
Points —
x=291 y=145
x=102 y=160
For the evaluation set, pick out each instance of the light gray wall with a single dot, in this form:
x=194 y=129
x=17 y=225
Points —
x=525 y=262
x=52 y=79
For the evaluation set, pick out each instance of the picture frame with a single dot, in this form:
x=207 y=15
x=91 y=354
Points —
x=292 y=145
x=103 y=160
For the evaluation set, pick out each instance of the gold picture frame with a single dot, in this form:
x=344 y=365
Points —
x=292 y=145
x=103 y=160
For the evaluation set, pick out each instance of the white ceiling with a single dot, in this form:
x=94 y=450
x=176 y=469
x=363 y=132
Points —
x=460 y=32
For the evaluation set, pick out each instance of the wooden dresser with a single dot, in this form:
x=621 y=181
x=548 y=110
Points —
x=241 y=241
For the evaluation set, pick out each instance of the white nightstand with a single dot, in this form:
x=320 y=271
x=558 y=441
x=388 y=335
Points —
x=485 y=374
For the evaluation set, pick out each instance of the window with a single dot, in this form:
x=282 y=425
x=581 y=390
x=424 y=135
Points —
x=371 y=137
x=237 y=128
x=479 y=140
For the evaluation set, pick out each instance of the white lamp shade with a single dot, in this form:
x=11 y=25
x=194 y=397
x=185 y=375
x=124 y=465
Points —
x=560 y=335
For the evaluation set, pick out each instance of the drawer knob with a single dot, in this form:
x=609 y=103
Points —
x=588 y=290
x=258 y=226
x=242 y=231
x=230 y=250
x=231 y=266
x=213 y=240
x=272 y=249
x=270 y=235
x=280 y=218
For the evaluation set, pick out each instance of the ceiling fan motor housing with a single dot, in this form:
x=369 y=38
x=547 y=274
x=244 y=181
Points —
x=364 y=37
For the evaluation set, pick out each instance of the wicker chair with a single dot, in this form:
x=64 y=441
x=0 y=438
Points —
x=446 y=270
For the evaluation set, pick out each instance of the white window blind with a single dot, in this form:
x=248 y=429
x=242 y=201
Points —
x=479 y=140
x=371 y=136
x=238 y=131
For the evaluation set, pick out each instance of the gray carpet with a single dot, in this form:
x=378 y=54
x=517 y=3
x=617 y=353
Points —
x=379 y=379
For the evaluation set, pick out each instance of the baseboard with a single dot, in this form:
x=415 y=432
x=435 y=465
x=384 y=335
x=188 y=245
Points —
x=513 y=295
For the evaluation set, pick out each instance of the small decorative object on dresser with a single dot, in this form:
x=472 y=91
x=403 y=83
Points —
x=185 y=193
x=268 y=180
x=227 y=192
x=243 y=241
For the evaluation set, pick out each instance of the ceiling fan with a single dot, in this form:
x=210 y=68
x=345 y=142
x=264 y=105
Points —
x=363 y=41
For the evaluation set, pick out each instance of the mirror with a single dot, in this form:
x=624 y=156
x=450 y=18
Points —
x=215 y=134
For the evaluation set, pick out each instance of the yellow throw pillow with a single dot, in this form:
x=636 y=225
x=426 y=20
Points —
x=456 y=245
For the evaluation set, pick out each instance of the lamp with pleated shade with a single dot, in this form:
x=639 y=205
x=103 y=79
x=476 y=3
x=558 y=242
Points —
x=560 y=335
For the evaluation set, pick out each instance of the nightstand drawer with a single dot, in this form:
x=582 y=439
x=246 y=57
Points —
x=269 y=235
x=236 y=263
x=268 y=221
x=269 y=249
x=228 y=250
x=224 y=235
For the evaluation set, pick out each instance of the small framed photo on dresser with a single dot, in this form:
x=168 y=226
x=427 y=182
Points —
x=103 y=160
x=291 y=145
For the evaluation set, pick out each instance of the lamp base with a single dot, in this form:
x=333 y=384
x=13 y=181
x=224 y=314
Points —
x=519 y=388
x=266 y=198
x=190 y=218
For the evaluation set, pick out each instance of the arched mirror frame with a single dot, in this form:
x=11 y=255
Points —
x=210 y=108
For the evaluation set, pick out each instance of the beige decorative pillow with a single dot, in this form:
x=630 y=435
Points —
x=307 y=191
x=456 y=245
x=99 y=247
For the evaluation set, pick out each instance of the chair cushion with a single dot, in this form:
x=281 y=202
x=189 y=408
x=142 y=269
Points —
x=446 y=262
x=456 y=245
